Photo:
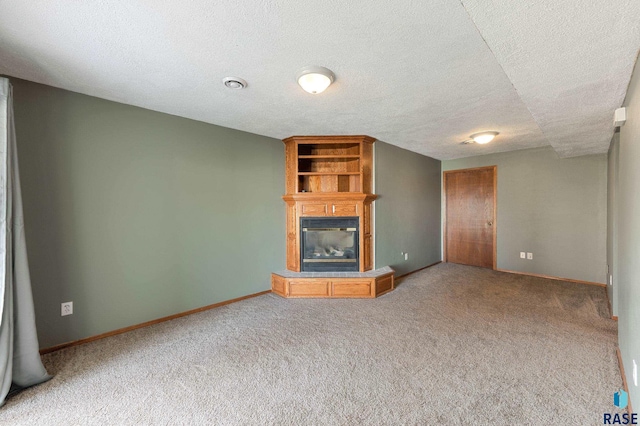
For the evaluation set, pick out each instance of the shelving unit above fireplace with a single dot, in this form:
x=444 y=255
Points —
x=328 y=164
x=329 y=167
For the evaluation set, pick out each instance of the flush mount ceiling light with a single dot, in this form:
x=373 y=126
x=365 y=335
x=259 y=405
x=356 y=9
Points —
x=315 y=79
x=484 y=137
x=234 y=83
x=481 y=138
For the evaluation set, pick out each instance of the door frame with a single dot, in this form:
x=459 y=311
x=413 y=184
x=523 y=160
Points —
x=495 y=210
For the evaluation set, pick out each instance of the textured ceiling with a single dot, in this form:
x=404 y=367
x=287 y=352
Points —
x=420 y=75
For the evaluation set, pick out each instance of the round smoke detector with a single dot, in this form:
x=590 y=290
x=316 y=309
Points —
x=234 y=83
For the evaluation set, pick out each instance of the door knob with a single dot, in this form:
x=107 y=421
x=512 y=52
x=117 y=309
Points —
x=490 y=223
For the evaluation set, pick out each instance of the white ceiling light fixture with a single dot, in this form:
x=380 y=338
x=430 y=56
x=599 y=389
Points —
x=484 y=137
x=234 y=83
x=315 y=79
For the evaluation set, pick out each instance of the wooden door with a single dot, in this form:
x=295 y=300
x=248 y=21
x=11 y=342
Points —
x=470 y=218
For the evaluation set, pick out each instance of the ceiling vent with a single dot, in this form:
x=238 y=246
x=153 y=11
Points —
x=234 y=83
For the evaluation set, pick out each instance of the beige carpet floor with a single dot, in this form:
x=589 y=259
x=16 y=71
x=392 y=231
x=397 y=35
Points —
x=451 y=345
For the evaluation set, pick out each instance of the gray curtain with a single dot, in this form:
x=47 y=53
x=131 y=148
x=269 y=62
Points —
x=20 y=364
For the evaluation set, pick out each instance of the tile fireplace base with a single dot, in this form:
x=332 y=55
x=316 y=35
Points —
x=368 y=284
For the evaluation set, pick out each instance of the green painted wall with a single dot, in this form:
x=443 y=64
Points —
x=628 y=221
x=554 y=208
x=134 y=215
x=407 y=211
x=612 y=223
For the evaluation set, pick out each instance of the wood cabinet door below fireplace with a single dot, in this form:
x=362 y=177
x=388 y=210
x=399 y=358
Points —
x=308 y=287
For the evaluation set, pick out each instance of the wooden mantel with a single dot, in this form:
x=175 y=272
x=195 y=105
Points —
x=328 y=176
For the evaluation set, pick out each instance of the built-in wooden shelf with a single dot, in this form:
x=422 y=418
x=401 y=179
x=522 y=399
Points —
x=328 y=173
x=328 y=164
x=329 y=156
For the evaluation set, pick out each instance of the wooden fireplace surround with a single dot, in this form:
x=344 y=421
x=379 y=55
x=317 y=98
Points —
x=329 y=176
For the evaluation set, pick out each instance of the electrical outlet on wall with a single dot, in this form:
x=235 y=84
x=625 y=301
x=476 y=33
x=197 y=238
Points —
x=66 y=308
x=529 y=256
x=523 y=255
x=610 y=279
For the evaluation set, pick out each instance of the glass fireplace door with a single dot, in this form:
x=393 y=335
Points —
x=329 y=244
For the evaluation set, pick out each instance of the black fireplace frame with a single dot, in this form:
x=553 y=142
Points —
x=340 y=265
